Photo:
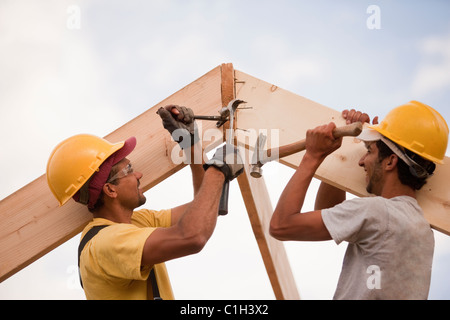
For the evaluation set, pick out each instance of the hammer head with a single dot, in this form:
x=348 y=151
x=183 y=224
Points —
x=256 y=171
x=232 y=106
x=258 y=156
x=225 y=112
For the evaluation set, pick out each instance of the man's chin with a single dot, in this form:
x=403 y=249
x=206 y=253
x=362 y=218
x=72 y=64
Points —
x=142 y=200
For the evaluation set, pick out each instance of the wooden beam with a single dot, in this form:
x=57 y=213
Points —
x=227 y=85
x=259 y=209
x=33 y=224
x=290 y=116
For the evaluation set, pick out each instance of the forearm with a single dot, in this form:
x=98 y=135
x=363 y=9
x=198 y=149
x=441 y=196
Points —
x=200 y=217
x=196 y=165
x=198 y=173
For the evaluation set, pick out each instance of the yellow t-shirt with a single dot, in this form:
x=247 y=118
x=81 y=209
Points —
x=110 y=263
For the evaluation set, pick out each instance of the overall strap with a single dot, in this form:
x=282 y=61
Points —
x=155 y=289
x=88 y=236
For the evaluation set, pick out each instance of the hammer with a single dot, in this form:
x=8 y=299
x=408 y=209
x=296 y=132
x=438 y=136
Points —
x=232 y=106
x=223 y=116
x=260 y=157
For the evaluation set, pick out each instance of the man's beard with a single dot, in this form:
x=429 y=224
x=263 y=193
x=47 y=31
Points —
x=142 y=200
x=375 y=180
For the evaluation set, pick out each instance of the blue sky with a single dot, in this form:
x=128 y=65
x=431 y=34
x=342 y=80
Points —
x=125 y=57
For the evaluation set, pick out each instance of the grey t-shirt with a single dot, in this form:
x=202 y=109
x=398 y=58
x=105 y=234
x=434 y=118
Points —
x=390 y=250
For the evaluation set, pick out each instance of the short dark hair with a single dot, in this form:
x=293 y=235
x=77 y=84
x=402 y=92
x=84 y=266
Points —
x=404 y=172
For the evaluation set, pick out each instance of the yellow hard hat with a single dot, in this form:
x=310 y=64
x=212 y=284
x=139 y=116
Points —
x=74 y=161
x=418 y=128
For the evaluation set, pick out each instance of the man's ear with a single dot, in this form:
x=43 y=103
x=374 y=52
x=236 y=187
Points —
x=109 y=190
x=391 y=162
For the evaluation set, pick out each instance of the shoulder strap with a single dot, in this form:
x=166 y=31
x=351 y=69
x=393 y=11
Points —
x=88 y=236
x=155 y=289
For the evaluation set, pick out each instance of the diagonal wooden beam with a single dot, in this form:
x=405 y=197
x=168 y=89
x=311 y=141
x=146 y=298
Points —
x=259 y=209
x=31 y=222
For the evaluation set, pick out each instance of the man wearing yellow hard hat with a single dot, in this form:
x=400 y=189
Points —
x=390 y=244
x=123 y=250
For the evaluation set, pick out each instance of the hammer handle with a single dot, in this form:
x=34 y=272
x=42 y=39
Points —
x=211 y=118
x=223 y=204
x=232 y=105
x=351 y=130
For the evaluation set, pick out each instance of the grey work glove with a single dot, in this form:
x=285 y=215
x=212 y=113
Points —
x=228 y=160
x=181 y=126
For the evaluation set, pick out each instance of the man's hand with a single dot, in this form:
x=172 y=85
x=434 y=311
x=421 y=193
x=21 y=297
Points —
x=227 y=160
x=320 y=141
x=353 y=115
x=179 y=121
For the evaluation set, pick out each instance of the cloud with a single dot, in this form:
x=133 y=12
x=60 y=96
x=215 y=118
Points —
x=283 y=64
x=433 y=74
x=171 y=60
x=53 y=86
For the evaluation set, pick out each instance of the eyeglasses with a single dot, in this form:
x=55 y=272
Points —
x=122 y=173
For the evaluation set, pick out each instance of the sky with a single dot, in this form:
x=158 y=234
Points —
x=69 y=67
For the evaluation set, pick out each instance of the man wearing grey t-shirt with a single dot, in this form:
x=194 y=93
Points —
x=390 y=244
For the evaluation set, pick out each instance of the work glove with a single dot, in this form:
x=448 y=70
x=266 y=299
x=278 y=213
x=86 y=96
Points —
x=228 y=160
x=181 y=126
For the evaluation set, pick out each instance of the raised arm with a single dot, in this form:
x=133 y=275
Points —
x=193 y=229
x=288 y=223
x=193 y=223
x=196 y=224
x=179 y=122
